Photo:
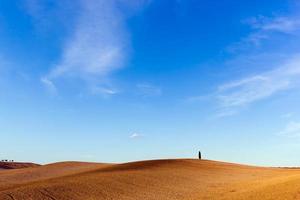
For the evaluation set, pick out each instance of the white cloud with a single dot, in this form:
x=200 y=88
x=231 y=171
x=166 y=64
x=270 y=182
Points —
x=147 y=89
x=285 y=73
x=135 y=136
x=292 y=129
x=225 y=113
x=49 y=85
x=254 y=88
x=103 y=91
x=99 y=43
x=279 y=24
x=265 y=28
x=232 y=96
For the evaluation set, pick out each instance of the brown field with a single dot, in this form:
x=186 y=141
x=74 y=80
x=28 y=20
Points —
x=182 y=179
x=16 y=165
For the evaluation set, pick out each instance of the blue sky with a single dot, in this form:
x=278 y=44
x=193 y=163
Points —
x=123 y=80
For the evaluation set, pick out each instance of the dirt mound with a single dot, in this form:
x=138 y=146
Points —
x=182 y=179
x=16 y=165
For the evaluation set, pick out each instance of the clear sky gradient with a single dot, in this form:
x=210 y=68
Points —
x=124 y=80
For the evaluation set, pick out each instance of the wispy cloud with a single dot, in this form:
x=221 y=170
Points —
x=146 y=89
x=285 y=72
x=104 y=91
x=264 y=28
x=292 y=129
x=100 y=43
x=282 y=24
x=254 y=88
x=49 y=85
x=283 y=68
x=135 y=136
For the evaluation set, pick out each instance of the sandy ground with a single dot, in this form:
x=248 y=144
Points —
x=149 y=180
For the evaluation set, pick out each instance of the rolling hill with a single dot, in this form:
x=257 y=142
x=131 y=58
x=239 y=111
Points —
x=178 y=179
x=16 y=165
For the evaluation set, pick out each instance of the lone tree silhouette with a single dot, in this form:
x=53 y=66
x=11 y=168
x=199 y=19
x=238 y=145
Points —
x=199 y=155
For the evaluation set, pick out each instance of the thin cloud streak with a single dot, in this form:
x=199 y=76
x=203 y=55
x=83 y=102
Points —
x=264 y=28
x=103 y=91
x=246 y=91
x=286 y=25
x=234 y=95
x=49 y=85
x=135 y=136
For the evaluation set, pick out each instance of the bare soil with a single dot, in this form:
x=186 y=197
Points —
x=181 y=179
